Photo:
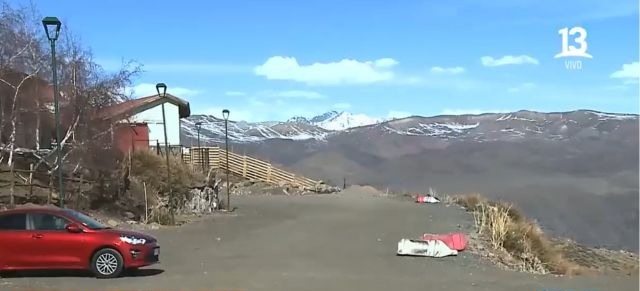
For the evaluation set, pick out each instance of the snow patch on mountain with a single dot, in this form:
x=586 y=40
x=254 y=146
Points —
x=433 y=129
x=324 y=117
x=513 y=117
x=608 y=116
x=346 y=120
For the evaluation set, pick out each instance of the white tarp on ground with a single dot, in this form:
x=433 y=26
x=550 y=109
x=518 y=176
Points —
x=425 y=248
x=431 y=199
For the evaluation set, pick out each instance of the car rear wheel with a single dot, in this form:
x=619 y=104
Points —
x=107 y=263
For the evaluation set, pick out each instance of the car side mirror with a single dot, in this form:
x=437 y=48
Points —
x=73 y=228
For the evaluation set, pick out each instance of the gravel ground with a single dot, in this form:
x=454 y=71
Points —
x=345 y=241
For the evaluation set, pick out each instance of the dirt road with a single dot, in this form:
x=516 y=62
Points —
x=331 y=242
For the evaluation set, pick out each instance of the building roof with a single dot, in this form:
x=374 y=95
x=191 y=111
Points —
x=131 y=107
x=14 y=77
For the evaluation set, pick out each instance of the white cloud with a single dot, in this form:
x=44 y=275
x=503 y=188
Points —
x=451 y=70
x=630 y=73
x=346 y=71
x=393 y=114
x=235 y=93
x=385 y=63
x=300 y=94
x=342 y=105
x=472 y=111
x=521 y=87
x=148 y=89
x=488 y=61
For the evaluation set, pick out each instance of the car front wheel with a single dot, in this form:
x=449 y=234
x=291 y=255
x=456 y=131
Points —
x=107 y=263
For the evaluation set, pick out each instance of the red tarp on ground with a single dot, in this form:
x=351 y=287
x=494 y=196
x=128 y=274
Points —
x=455 y=241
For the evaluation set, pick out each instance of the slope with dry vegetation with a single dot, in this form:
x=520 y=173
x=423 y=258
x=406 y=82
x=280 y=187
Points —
x=506 y=236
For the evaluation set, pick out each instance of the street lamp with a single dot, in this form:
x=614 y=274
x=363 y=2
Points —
x=198 y=126
x=161 y=88
x=52 y=29
x=225 y=114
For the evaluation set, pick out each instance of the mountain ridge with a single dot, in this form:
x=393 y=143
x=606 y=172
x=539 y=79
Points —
x=332 y=123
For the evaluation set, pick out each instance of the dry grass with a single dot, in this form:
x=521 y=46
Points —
x=508 y=230
x=151 y=169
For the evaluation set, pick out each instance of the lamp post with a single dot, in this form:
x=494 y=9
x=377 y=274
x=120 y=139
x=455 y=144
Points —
x=225 y=114
x=198 y=126
x=52 y=29
x=161 y=88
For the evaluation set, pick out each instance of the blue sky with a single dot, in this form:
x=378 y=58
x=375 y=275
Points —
x=270 y=60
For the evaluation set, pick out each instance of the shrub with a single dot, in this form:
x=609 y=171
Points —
x=507 y=229
x=150 y=168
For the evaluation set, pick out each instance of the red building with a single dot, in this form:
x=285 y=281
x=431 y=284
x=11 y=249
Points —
x=130 y=137
x=138 y=123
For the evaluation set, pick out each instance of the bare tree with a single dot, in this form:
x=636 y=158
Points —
x=26 y=96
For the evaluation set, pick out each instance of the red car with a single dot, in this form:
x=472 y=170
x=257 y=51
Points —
x=57 y=238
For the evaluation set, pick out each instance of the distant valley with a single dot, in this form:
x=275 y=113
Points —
x=575 y=172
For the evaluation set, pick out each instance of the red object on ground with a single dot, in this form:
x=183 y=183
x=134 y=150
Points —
x=455 y=241
x=59 y=238
x=426 y=199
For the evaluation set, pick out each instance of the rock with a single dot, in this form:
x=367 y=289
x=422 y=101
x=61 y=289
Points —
x=131 y=222
x=202 y=201
x=112 y=223
x=155 y=225
x=129 y=215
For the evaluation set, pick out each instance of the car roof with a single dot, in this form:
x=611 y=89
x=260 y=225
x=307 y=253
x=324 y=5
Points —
x=31 y=209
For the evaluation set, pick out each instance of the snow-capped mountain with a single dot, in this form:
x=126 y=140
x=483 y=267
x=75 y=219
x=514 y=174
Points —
x=337 y=121
x=516 y=125
x=212 y=130
x=344 y=120
x=324 y=117
x=479 y=128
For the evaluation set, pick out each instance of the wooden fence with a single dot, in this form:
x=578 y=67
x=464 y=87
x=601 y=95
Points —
x=20 y=179
x=247 y=167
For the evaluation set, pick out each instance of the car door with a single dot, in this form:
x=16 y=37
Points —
x=14 y=239
x=57 y=247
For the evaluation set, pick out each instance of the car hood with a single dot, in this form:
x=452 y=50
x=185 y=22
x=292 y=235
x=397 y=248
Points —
x=148 y=238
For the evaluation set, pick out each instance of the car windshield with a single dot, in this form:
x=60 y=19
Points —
x=86 y=220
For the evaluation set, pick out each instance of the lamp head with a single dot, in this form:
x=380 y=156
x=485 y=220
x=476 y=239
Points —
x=51 y=27
x=225 y=114
x=162 y=89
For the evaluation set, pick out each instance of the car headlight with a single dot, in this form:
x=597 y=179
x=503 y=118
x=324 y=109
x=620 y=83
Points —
x=133 y=240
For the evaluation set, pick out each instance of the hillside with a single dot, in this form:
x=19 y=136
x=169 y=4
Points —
x=575 y=172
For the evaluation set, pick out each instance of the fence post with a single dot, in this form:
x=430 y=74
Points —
x=269 y=173
x=79 y=191
x=244 y=166
x=50 y=197
x=30 y=180
x=215 y=155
